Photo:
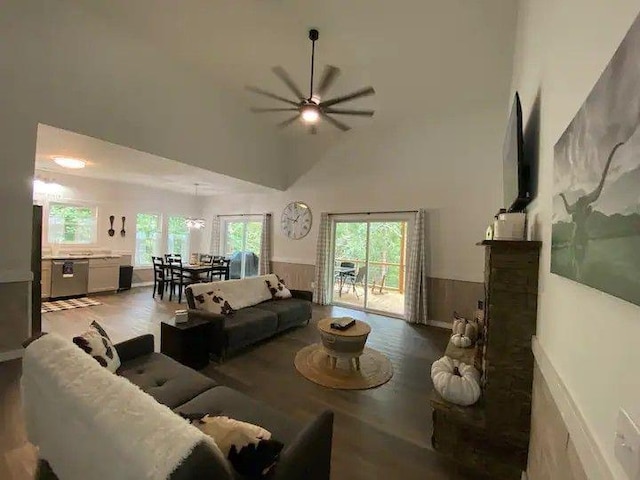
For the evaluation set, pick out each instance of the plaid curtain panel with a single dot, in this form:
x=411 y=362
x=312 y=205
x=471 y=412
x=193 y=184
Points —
x=415 y=300
x=265 y=245
x=321 y=287
x=215 y=236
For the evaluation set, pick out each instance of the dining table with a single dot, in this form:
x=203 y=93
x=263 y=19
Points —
x=196 y=271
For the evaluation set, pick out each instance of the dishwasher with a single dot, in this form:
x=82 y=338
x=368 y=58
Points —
x=69 y=278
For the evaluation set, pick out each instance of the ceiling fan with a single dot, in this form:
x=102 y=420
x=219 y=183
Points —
x=312 y=108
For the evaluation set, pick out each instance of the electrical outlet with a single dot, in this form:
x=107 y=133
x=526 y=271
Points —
x=313 y=284
x=627 y=445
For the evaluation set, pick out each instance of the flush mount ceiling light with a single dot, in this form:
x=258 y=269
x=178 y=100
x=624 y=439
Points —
x=68 y=162
x=194 y=223
x=311 y=108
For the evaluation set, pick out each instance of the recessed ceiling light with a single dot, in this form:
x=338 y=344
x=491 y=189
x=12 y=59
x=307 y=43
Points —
x=68 y=162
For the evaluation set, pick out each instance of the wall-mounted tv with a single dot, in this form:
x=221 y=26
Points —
x=516 y=173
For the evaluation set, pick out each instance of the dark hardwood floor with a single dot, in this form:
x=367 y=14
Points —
x=382 y=433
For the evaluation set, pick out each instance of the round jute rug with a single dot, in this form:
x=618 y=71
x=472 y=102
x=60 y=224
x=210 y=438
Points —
x=314 y=364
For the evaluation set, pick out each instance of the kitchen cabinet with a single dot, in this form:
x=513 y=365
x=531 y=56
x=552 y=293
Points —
x=45 y=279
x=104 y=274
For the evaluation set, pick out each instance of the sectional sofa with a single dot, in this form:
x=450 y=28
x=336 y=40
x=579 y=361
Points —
x=257 y=317
x=75 y=430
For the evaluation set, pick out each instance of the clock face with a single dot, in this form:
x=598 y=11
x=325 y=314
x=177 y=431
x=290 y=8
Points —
x=296 y=220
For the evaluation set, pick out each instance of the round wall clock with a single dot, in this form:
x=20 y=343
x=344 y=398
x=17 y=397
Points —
x=296 y=220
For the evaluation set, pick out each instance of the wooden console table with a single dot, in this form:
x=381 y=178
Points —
x=492 y=436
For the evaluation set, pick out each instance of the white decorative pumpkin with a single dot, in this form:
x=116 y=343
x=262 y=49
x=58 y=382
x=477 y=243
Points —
x=461 y=341
x=459 y=324
x=471 y=331
x=455 y=381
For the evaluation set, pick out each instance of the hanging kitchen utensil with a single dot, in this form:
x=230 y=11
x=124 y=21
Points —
x=123 y=232
x=111 y=231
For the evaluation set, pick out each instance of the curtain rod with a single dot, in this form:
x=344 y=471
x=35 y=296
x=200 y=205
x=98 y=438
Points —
x=244 y=215
x=374 y=213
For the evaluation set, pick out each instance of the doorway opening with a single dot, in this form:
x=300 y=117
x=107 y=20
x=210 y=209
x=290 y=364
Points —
x=369 y=262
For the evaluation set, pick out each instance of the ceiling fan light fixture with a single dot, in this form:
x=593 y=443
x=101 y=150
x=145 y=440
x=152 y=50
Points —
x=310 y=114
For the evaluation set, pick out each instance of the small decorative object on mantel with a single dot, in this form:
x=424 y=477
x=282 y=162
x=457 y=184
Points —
x=455 y=381
x=123 y=232
x=111 y=231
x=510 y=226
x=465 y=332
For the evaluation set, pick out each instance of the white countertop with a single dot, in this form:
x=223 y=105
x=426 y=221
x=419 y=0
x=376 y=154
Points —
x=77 y=257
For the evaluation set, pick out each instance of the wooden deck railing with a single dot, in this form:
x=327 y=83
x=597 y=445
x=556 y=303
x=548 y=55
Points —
x=359 y=263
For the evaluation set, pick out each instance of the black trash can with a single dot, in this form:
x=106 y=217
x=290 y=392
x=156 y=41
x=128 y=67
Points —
x=126 y=275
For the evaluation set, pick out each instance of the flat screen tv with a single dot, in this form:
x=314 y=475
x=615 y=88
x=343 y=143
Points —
x=516 y=173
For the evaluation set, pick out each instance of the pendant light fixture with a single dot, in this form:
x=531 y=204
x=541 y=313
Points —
x=195 y=223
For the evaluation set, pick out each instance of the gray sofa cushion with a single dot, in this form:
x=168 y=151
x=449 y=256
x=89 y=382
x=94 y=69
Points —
x=166 y=380
x=233 y=404
x=248 y=326
x=291 y=312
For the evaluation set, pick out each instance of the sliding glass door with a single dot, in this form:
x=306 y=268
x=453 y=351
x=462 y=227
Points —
x=241 y=241
x=369 y=264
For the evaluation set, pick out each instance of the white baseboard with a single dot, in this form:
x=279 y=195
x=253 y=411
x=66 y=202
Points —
x=438 y=323
x=141 y=284
x=11 y=355
x=588 y=451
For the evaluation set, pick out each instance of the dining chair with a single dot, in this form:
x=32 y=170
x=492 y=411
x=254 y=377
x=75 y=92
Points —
x=159 y=276
x=178 y=278
x=354 y=280
x=206 y=260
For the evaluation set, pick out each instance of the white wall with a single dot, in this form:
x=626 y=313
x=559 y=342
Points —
x=64 y=67
x=120 y=199
x=590 y=337
x=450 y=166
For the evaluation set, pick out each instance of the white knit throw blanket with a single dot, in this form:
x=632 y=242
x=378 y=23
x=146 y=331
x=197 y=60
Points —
x=90 y=423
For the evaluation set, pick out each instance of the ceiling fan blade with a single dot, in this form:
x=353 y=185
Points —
x=365 y=92
x=361 y=113
x=313 y=129
x=284 y=76
x=336 y=123
x=288 y=122
x=263 y=110
x=328 y=77
x=259 y=91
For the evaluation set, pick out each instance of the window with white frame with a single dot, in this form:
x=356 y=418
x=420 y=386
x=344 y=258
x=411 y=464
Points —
x=178 y=236
x=72 y=224
x=148 y=235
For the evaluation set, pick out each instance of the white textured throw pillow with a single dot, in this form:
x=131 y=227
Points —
x=278 y=290
x=97 y=343
x=214 y=302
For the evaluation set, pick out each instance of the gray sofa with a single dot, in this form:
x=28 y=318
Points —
x=307 y=451
x=250 y=325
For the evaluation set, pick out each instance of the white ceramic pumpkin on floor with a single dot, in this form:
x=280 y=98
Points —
x=455 y=381
x=461 y=341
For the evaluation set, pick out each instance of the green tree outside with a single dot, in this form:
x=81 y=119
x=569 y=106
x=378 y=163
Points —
x=385 y=246
x=147 y=235
x=178 y=236
x=71 y=224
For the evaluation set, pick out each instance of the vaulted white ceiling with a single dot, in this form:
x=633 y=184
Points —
x=108 y=161
x=422 y=56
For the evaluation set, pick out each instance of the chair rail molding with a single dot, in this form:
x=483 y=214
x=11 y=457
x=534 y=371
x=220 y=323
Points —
x=586 y=446
x=15 y=276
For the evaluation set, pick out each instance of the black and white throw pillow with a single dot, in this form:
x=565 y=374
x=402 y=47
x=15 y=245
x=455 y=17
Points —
x=97 y=343
x=249 y=448
x=279 y=291
x=213 y=302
